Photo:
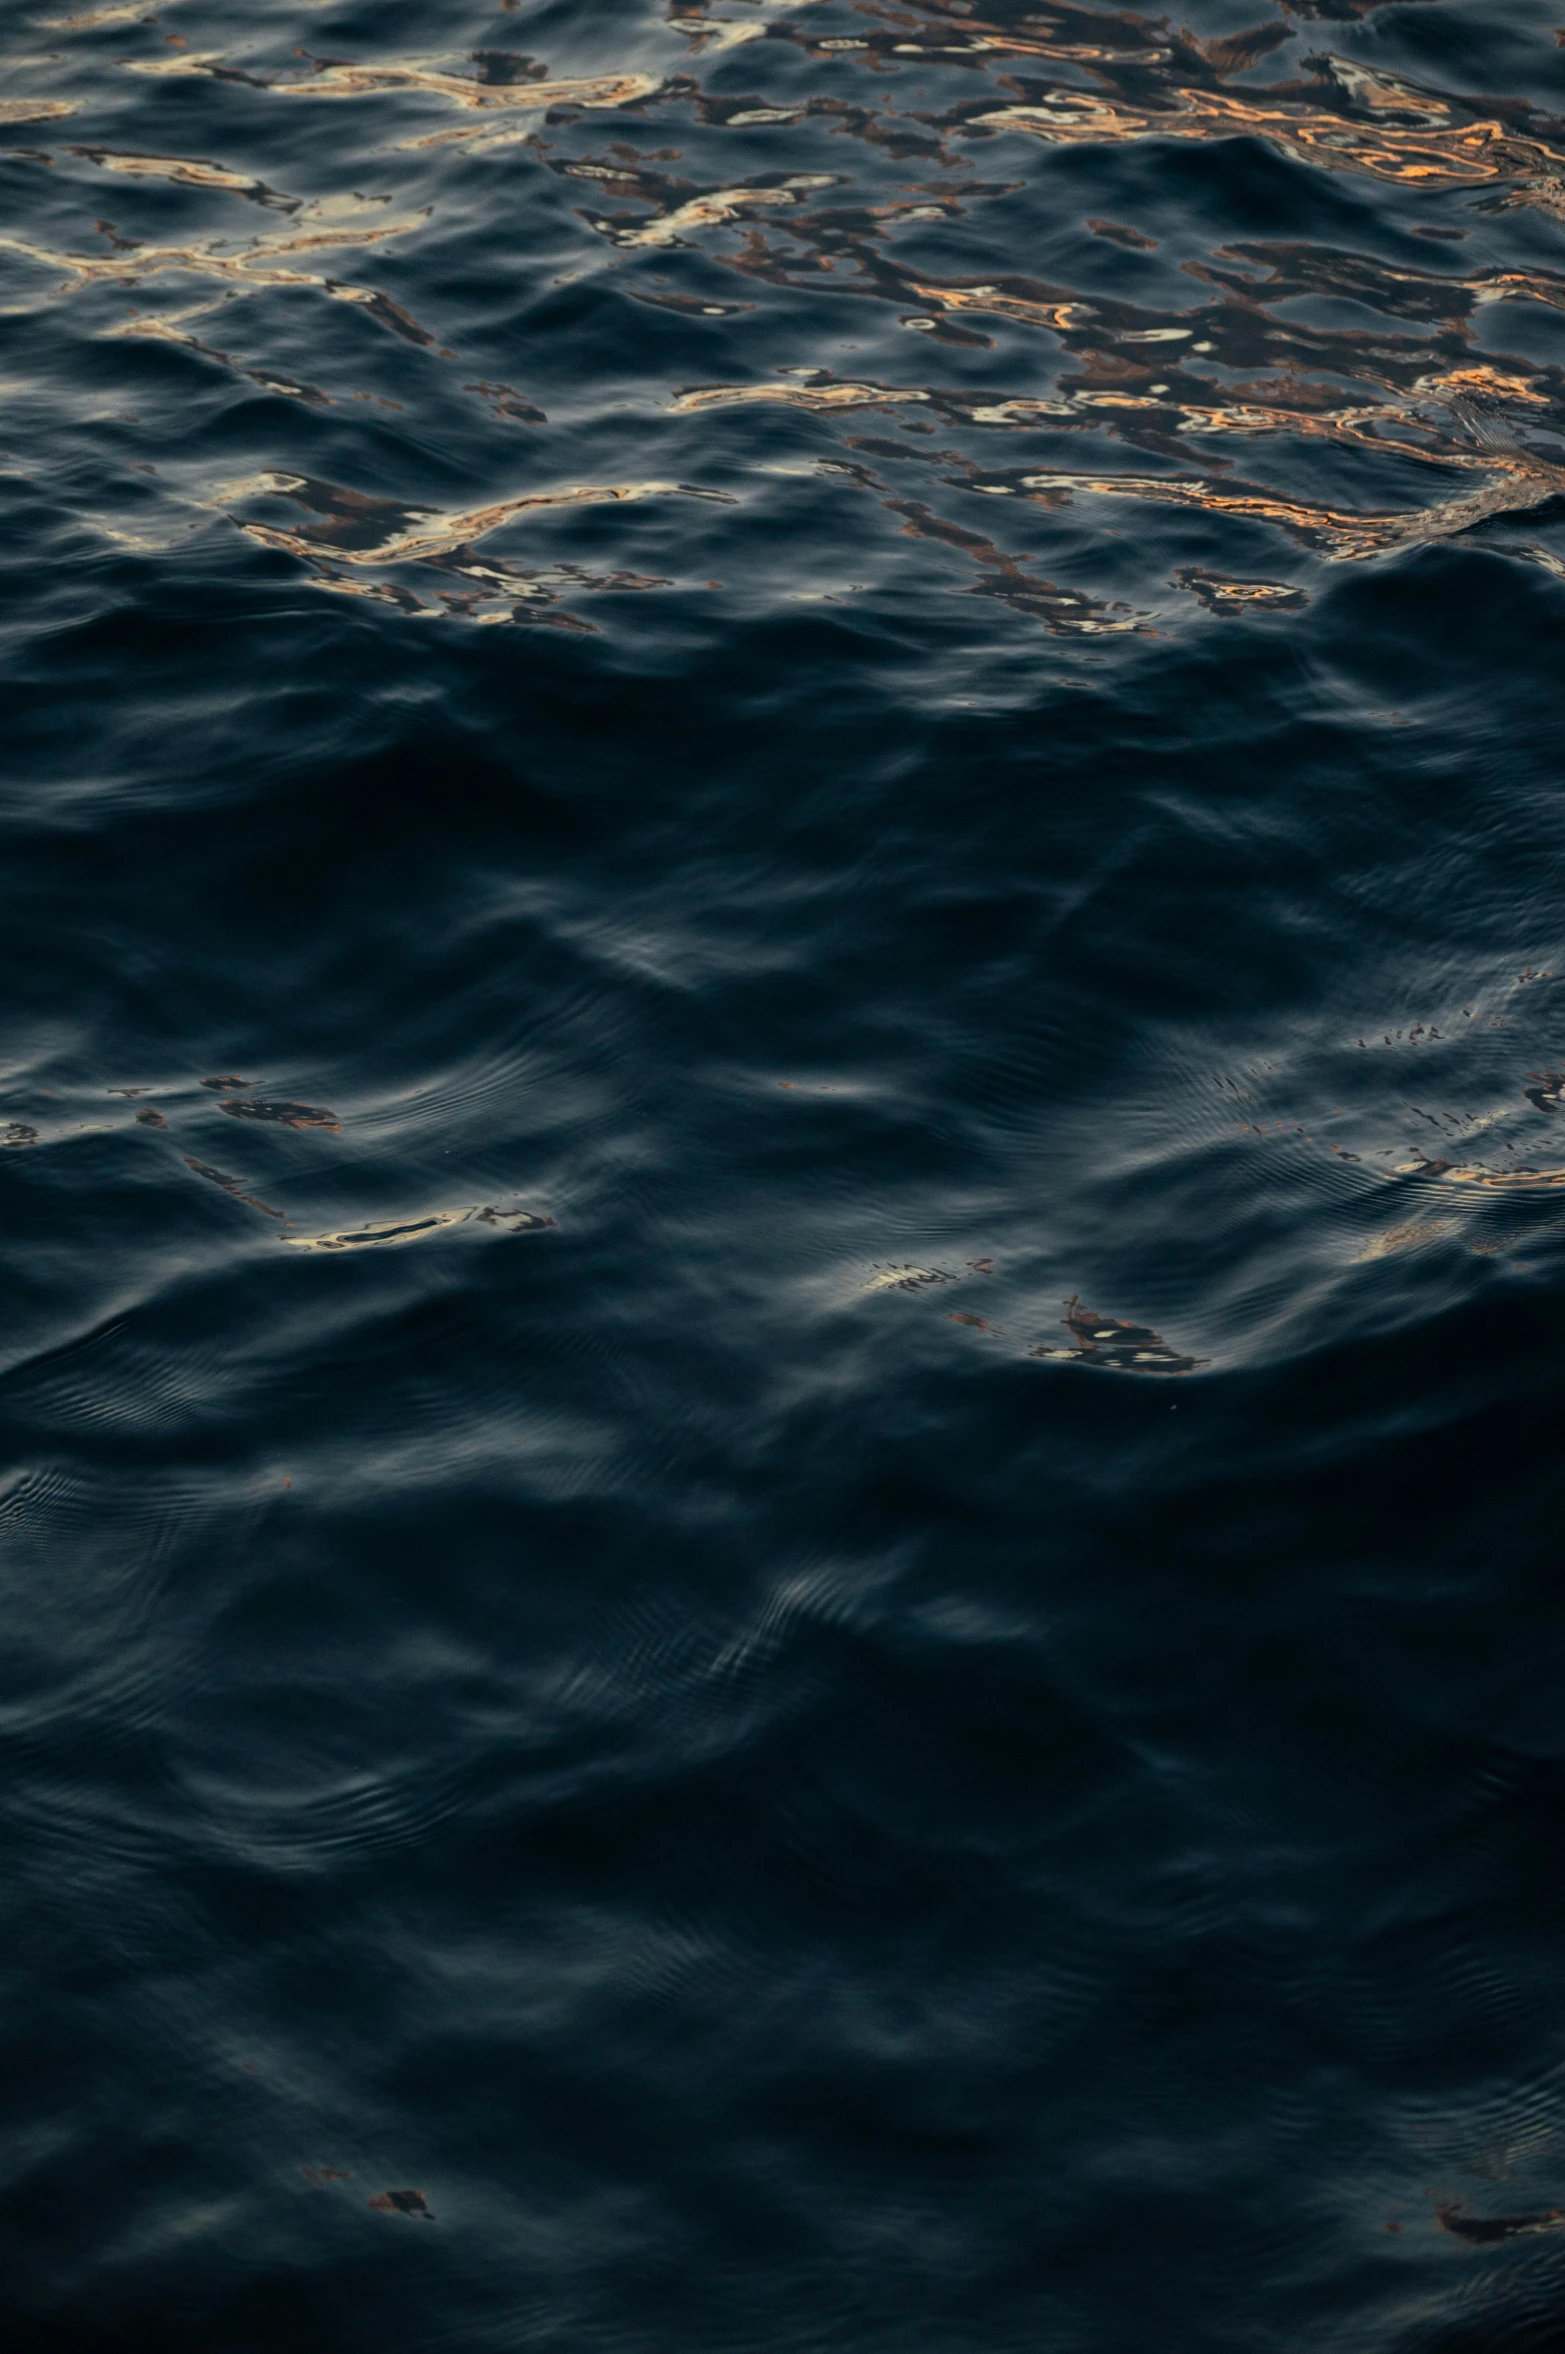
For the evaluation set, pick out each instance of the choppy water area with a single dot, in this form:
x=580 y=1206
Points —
x=783 y=1120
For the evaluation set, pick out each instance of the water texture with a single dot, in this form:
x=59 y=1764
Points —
x=782 y=1121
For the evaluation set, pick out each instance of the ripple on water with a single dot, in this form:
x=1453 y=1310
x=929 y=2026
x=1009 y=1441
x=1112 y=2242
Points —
x=780 y=1377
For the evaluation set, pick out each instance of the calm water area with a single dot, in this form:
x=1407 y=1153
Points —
x=782 y=1177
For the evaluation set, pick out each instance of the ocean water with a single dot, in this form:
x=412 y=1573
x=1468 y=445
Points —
x=783 y=1146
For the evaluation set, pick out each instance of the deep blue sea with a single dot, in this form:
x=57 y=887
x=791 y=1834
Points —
x=782 y=1177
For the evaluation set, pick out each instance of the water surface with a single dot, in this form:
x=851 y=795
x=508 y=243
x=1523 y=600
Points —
x=782 y=1111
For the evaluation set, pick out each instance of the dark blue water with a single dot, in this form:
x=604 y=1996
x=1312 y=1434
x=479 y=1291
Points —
x=783 y=1042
